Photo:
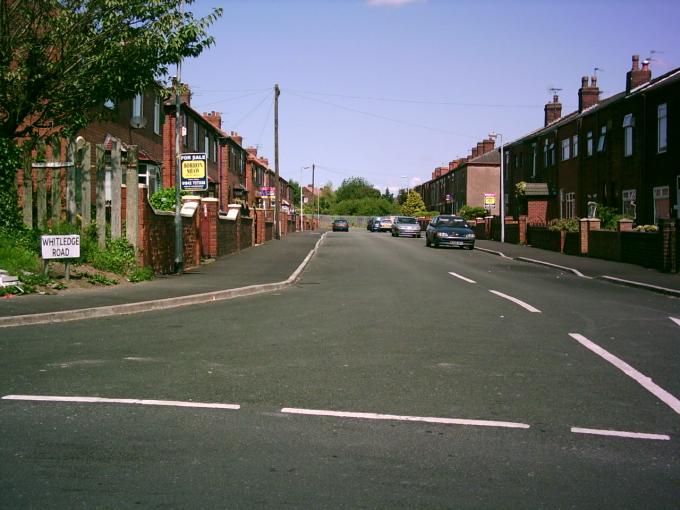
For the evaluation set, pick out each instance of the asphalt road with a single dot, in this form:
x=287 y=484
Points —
x=470 y=398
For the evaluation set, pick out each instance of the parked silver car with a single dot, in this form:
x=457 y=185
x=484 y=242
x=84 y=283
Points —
x=405 y=226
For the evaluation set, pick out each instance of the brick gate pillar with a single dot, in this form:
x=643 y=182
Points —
x=585 y=226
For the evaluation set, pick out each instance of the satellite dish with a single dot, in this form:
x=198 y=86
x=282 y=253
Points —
x=138 y=122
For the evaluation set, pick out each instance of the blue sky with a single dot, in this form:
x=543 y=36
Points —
x=389 y=88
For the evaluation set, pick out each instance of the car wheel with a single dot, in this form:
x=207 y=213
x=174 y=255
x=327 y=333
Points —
x=419 y=236
x=427 y=241
x=470 y=247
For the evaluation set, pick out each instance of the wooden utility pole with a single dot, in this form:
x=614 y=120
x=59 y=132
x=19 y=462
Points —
x=277 y=192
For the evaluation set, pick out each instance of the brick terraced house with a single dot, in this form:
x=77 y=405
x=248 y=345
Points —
x=622 y=151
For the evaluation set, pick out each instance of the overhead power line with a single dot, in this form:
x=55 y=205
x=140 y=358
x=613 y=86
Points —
x=225 y=100
x=418 y=101
x=382 y=117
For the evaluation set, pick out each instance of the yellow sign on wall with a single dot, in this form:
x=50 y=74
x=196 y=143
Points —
x=489 y=199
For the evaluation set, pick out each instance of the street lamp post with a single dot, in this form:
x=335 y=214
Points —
x=302 y=195
x=405 y=177
x=502 y=197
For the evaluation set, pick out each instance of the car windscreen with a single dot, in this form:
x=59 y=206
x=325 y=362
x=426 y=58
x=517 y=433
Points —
x=451 y=222
x=408 y=221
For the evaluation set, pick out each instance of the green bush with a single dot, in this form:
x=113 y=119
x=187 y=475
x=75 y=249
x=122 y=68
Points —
x=118 y=257
x=565 y=224
x=470 y=213
x=16 y=257
x=164 y=199
x=141 y=274
x=609 y=216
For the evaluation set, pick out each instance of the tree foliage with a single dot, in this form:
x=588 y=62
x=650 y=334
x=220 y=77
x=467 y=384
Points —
x=355 y=188
x=61 y=59
x=413 y=205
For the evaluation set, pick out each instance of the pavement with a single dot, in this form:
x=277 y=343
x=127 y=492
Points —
x=263 y=268
x=274 y=266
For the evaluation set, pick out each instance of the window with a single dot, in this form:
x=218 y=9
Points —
x=662 y=203
x=628 y=205
x=661 y=127
x=589 y=143
x=214 y=151
x=602 y=139
x=574 y=146
x=628 y=123
x=533 y=160
x=137 y=106
x=566 y=149
x=545 y=152
x=206 y=145
x=507 y=159
x=570 y=205
x=157 y=115
x=195 y=137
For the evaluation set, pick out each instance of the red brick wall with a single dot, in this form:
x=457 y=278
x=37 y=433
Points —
x=537 y=212
x=227 y=237
x=541 y=237
x=156 y=238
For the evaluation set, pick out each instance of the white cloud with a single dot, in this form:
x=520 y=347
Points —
x=391 y=3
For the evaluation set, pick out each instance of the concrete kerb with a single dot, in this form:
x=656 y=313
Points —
x=611 y=279
x=549 y=264
x=159 y=304
x=493 y=252
x=640 y=285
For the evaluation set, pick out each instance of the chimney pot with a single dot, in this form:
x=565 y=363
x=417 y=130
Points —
x=636 y=62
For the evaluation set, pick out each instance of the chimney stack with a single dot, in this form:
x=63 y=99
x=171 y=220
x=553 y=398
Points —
x=553 y=111
x=214 y=118
x=636 y=76
x=236 y=137
x=475 y=153
x=252 y=151
x=488 y=145
x=588 y=95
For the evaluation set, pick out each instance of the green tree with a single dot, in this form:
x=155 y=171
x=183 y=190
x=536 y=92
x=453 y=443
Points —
x=60 y=60
x=388 y=195
x=355 y=187
x=414 y=205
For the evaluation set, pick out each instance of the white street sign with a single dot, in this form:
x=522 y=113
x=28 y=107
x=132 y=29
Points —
x=60 y=247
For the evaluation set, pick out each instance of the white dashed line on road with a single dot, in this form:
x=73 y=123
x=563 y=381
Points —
x=394 y=417
x=643 y=380
x=461 y=277
x=519 y=302
x=677 y=321
x=133 y=401
x=620 y=433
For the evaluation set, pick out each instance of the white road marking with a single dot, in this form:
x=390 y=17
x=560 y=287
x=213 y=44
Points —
x=101 y=400
x=519 y=302
x=641 y=379
x=620 y=433
x=394 y=417
x=461 y=277
x=677 y=321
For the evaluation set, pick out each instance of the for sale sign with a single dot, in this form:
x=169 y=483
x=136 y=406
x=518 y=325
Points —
x=60 y=247
x=490 y=200
x=194 y=169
